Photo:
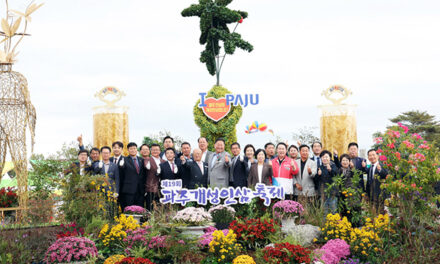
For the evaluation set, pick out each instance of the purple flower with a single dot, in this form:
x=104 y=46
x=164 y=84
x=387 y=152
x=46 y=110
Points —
x=134 y=209
x=66 y=248
x=333 y=251
x=287 y=208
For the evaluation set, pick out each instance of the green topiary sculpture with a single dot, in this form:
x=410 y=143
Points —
x=214 y=20
x=225 y=128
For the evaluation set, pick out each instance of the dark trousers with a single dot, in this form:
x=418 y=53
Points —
x=151 y=199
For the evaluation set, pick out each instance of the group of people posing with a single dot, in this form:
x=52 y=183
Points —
x=303 y=171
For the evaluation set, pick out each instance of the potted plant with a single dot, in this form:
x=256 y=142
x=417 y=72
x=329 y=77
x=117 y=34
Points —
x=71 y=250
x=287 y=211
x=222 y=216
x=136 y=211
x=192 y=221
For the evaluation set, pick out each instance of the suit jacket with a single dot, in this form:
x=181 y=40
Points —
x=238 y=172
x=112 y=173
x=152 y=182
x=166 y=173
x=208 y=156
x=184 y=172
x=325 y=178
x=197 y=178
x=266 y=175
x=218 y=173
x=305 y=179
x=373 y=184
x=112 y=159
x=132 y=182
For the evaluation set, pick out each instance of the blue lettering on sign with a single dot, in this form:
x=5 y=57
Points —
x=213 y=195
x=239 y=99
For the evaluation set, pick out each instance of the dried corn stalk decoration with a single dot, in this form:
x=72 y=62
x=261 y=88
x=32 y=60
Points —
x=110 y=122
x=16 y=110
x=338 y=120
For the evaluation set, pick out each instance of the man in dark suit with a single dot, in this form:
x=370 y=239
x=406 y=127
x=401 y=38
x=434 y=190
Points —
x=117 y=148
x=184 y=156
x=82 y=166
x=152 y=183
x=375 y=173
x=197 y=170
x=94 y=152
x=316 y=150
x=111 y=170
x=132 y=178
x=239 y=171
x=168 y=142
x=169 y=170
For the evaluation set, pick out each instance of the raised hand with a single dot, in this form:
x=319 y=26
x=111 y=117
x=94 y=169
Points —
x=379 y=168
x=226 y=158
x=309 y=170
x=319 y=172
x=364 y=164
x=335 y=153
x=80 y=140
x=351 y=164
x=293 y=165
x=329 y=168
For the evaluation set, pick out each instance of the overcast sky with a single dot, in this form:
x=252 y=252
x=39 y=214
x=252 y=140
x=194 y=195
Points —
x=386 y=51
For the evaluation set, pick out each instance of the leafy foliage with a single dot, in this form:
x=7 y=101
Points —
x=214 y=20
x=224 y=128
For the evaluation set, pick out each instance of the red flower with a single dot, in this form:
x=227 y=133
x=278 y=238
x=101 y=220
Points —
x=241 y=20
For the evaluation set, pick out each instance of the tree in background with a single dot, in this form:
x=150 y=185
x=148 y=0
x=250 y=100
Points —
x=418 y=122
x=158 y=139
x=305 y=135
x=214 y=19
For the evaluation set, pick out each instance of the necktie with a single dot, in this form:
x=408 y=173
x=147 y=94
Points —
x=115 y=160
x=136 y=165
x=214 y=158
x=201 y=167
x=172 y=167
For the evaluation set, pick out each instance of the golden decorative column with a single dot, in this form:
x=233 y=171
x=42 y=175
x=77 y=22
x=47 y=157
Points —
x=338 y=120
x=110 y=122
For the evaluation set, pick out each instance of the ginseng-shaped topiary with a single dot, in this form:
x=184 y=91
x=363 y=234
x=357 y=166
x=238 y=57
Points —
x=224 y=128
x=214 y=19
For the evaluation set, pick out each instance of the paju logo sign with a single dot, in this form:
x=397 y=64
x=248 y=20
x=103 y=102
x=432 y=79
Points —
x=217 y=108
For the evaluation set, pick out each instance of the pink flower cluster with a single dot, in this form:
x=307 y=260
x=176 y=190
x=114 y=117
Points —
x=206 y=238
x=287 y=208
x=405 y=128
x=378 y=140
x=408 y=144
x=139 y=237
x=382 y=158
x=417 y=136
x=393 y=133
x=69 y=249
x=134 y=209
x=333 y=251
x=419 y=157
x=424 y=146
